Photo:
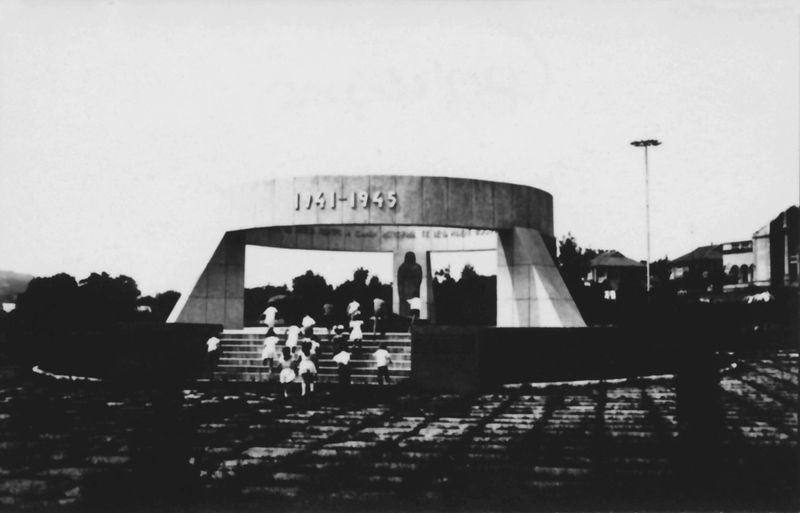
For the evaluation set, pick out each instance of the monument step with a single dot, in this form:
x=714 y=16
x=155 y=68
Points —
x=326 y=339
x=257 y=348
x=240 y=358
x=322 y=368
x=238 y=335
x=318 y=330
x=322 y=364
x=372 y=347
x=397 y=345
x=355 y=379
x=401 y=366
x=400 y=347
x=321 y=356
x=271 y=491
x=327 y=371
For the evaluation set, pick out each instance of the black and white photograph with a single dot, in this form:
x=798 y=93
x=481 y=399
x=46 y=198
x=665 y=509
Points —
x=399 y=255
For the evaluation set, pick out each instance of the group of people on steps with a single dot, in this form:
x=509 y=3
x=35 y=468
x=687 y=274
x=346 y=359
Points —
x=299 y=357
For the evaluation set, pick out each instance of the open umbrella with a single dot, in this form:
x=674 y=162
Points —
x=276 y=299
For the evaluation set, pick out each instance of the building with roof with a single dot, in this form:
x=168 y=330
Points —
x=775 y=251
x=615 y=270
x=769 y=259
x=700 y=269
x=729 y=265
x=761 y=274
x=738 y=264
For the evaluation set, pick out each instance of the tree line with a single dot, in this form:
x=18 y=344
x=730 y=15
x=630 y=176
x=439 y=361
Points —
x=310 y=293
x=470 y=300
x=62 y=303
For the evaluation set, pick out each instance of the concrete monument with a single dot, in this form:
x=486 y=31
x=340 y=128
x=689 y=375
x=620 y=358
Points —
x=395 y=214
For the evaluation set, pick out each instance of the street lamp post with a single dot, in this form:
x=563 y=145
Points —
x=649 y=142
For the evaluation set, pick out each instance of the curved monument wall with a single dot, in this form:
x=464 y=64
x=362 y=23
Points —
x=380 y=238
x=391 y=200
x=394 y=214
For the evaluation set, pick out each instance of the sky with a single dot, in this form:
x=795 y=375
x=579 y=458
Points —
x=121 y=121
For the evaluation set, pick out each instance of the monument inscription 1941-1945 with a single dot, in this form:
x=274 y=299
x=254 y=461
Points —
x=355 y=199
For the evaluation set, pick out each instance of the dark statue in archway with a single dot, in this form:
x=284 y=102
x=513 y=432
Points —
x=409 y=279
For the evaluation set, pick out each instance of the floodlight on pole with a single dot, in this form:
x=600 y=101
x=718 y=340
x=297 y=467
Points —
x=649 y=142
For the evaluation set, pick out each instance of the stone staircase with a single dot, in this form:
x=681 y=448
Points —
x=241 y=357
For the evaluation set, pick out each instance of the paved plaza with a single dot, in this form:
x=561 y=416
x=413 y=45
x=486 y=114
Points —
x=68 y=446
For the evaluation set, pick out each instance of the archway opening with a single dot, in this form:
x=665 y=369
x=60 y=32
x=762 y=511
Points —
x=733 y=274
x=300 y=282
x=465 y=287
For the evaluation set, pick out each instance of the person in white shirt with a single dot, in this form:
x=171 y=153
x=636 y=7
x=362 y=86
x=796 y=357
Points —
x=382 y=359
x=212 y=344
x=339 y=342
x=313 y=344
x=352 y=309
x=287 y=375
x=342 y=358
x=339 y=338
x=269 y=316
x=307 y=369
x=356 y=335
x=380 y=315
x=212 y=352
x=308 y=322
x=292 y=337
x=415 y=305
x=270 y=346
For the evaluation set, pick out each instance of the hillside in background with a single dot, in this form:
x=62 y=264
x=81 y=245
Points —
x=11 y=284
